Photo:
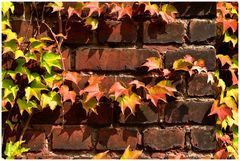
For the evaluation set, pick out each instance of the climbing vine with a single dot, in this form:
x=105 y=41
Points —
x=37 y=79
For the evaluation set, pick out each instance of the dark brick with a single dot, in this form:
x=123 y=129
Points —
x=46 y=116
x=117 y=138
x=72 y=138
x=163 y=139
x=28 y=30
x=79 y=34
x=35 y=140
x=160 y=32
x=114 y=59
x=203 y=138
x=145 y=113
x=198 y=86
x=207 y=53
x=75 y=115
x=117 y=31
x=196 y=9
x=185 y=111
x=201 y=30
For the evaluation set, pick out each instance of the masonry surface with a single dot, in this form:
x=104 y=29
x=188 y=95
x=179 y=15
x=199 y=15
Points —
x=117 y=49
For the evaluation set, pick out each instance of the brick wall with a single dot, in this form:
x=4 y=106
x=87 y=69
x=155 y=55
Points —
x=117 y=49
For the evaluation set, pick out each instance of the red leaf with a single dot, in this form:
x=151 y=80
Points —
x=222 y=111
x=124 y=10
x=64 y=91
x=221 y=154
x=222 y=8
x=230 y=23
x=234 y=77
x=72 y=11
x=118 y=90
x=72 y=76
x=93 y=7
x=226 y=138
x=156 y=93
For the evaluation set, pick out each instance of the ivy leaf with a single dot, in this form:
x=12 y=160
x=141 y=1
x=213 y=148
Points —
x=152 y=8
x=123 y=10
x=220 y=154
x=234 y=77
x=14 y=149
x=167 y=86
x=230 y=23
x=9 y=123
x=52 y=99
x=156 y=93
x=131 y=154
x=169 y=9
x=12 y=74
x=233 y=91
x=182 y=64
x=102 y=155
x=232 y=151
x=49 y=60
x=89 y=105
x=64 y=91
x=222 y=111
x=93 y=7
x=129 y=101
x=35 y=90
x=9 y=46
x=36 y=45
x=92 y=22
x=19 y=53
x=26 y=106
x=230 y=38
x=137 y=83
x=153 y=63
x=29 y=56
x=56 y=6
x=10 y=89
x=32 y=76
x=6 y=5
x=229 y=101
x=10 y=35
x=72 y=76
x=53 y=80
x=118 y=90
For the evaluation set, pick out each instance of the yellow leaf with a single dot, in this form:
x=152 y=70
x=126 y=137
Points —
x=131 y=154
x=102 y=155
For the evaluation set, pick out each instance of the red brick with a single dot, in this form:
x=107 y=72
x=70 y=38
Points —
x=163 y=139
x=201 y=30
x=114 y=59
x=145 y=114
x=66 y=54
x=117 y=138
x=35 y=140
x=186 y=111
x=160 y=32
x=158 y=155
x=207 y=53
x=203 y=138
x=72 y=138
x=75 y=114
x=117 y=31
x=198 y=86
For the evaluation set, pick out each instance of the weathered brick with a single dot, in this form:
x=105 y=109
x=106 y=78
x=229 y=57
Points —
x=158 y=155
x=198 y=86
x=145 y=113
x=160 y=32
x=203 y=138
x=117 y=31
x=75 y=114
x=186 y=111
x=66 y=54
x=207 y=53
x=72 y=138
x=114 y=59
x=163 y=139
x=201 y=30
x=196 y=9
x=117 y=138
x=35 y=140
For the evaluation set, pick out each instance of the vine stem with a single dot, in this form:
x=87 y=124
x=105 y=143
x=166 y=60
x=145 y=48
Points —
x=25 y=127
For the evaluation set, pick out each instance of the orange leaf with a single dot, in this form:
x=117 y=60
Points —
x=129 y=101
x=64 y=91
x=72 y=76
x=221 y=154
x=137 y=83
x=153 y=63
x=118 y=90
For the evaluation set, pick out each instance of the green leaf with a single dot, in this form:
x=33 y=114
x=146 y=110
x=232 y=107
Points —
x=6 y=5
x=230 y=38
x=14 y=149
x=181 y=64
x=90 y=105
x=9 y=89
x=29 y=56
x=12 y=74
x=52 y=99
x=93 y=22
x=19 y=53
x=35 y=90
x=169 y=9
x=49 y=60
x=26 y=106
x=51 y=79
x=10 y=46
x=20 y=67
x=32 y=76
